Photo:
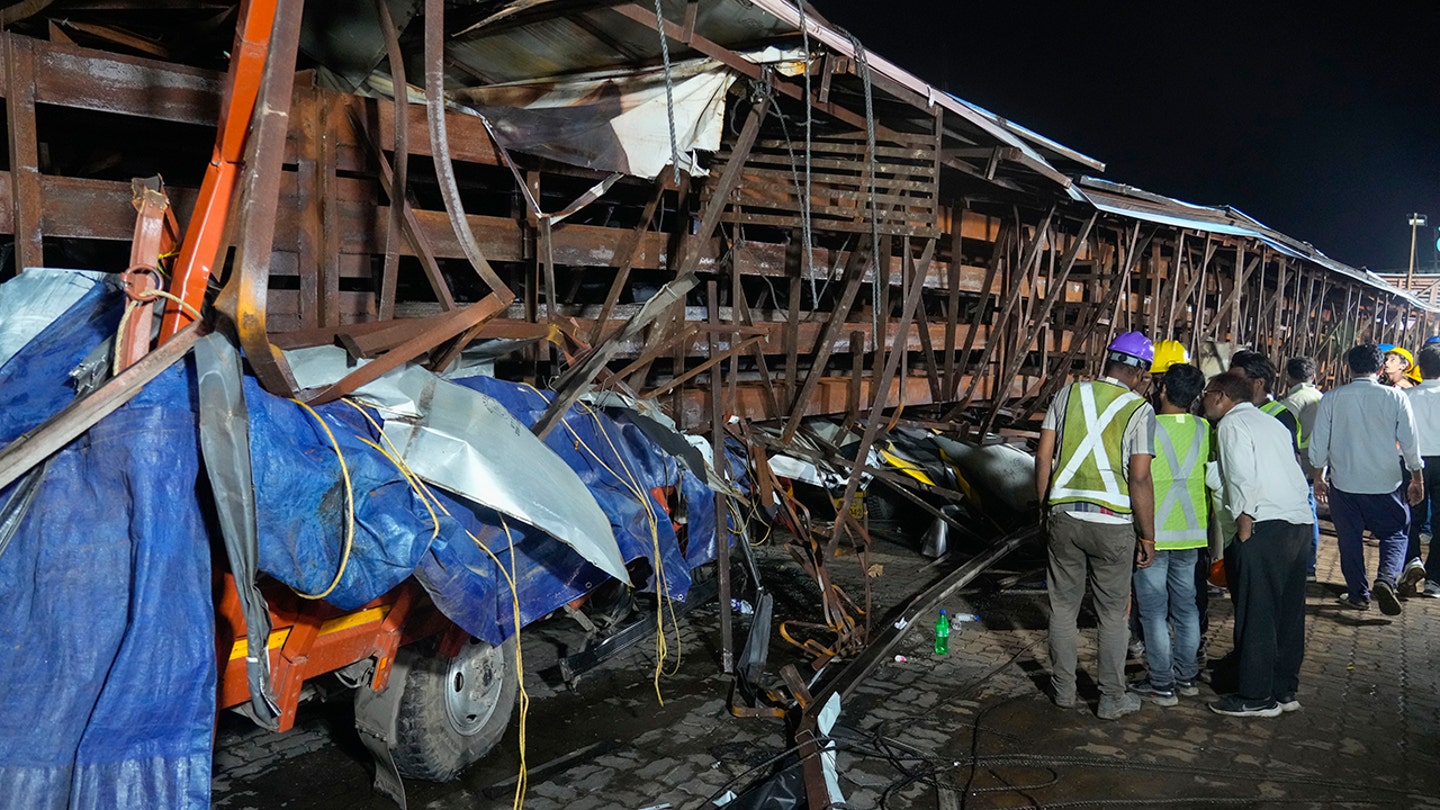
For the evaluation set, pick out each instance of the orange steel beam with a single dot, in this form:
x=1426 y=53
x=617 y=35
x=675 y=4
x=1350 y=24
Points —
x=206 y=230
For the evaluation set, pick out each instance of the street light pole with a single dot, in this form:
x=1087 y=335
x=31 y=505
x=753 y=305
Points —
x=1416 y=220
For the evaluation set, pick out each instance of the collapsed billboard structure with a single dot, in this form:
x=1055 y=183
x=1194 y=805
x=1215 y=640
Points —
x=726 y=213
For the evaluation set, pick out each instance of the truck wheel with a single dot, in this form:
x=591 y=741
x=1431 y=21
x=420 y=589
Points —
x=453 y=712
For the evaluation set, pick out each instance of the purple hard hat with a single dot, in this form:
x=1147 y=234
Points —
x=1132 y=348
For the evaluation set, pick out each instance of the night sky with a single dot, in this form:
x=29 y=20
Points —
x=1320 y=121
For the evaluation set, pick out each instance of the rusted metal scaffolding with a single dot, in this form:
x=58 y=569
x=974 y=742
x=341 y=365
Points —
x=860 y=245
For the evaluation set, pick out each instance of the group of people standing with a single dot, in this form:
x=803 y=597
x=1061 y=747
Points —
x=1149 y=469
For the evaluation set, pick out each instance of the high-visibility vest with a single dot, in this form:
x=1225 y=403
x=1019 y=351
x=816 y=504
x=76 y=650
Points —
x=1090 y=468
x=1275 y=407
x=1182 y=446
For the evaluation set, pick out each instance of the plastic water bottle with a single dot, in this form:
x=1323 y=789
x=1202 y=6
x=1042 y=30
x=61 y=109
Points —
x=942 y=634
x=961 y=618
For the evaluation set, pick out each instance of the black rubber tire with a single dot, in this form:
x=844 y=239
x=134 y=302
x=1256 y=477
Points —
x=881 y=507
x=429 y=746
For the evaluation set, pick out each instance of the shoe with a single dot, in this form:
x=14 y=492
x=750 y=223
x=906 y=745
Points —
x=1412 y=580
x=1431 y=590
x=1190 y=688
x=1064 y=701
x=1160 y=696
x=1114 y=708
x=1287 y=702
x=1346 y=601
x=1236 y=706
x=1384 y=593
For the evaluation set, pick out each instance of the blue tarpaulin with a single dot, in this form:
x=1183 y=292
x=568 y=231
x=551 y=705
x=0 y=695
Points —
x=108 y=620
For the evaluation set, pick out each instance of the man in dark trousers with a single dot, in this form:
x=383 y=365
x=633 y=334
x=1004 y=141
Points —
x=1266 y=493
x=1357 y=429
x=1092 y=472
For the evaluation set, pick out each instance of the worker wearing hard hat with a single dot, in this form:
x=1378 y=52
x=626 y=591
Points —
x=1092 y=472
x=1399 y=368
x=1165 y=591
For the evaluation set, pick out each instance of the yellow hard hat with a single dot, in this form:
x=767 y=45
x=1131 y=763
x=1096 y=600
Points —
x=1167 y=354
x=1404 y=354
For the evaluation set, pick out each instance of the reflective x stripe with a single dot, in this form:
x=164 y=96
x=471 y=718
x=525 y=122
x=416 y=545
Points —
x=1093 y=445
x=1180 y=474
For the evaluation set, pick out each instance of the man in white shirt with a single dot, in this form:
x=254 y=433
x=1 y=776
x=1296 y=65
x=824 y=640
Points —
x=1302 y=398
x=1357 y=428
x=1092 y=472
x=1424 y=578
x=1266 y=494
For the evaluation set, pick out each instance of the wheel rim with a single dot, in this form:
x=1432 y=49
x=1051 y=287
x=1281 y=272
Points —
x=473 y=684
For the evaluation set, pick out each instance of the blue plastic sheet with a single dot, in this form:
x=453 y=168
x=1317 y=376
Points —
x=107 y=619
x=301 y=509
x=301 y=506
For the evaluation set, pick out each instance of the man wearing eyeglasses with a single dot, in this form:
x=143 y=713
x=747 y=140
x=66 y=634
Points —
x=1266 y=495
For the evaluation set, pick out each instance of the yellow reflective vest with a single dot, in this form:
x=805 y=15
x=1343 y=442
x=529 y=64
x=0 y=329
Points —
x=1182 y=446
x=1091 y=467
x=1275 y=407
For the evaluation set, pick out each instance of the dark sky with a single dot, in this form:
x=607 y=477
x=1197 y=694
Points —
x=1321 y=121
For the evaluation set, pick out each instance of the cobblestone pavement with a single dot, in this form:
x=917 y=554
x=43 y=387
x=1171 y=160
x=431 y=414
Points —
x=970 y=729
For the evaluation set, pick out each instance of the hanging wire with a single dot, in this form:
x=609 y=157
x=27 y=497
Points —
x=807 y=236
x=862 y=62
x=802 y=190
x=669 y=90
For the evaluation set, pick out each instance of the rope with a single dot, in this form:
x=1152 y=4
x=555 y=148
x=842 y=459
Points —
x=137 y=300
x=669 y=90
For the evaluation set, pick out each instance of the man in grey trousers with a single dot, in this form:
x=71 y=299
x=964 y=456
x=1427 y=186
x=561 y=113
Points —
x=1092 y=472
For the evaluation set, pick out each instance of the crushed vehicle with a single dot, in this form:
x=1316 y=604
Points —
x=397 y=538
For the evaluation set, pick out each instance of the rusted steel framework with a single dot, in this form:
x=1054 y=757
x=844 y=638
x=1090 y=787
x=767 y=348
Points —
x=860 y=245
x=984 y=292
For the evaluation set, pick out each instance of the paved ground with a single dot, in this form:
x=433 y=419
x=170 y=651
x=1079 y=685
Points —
x=971 y=729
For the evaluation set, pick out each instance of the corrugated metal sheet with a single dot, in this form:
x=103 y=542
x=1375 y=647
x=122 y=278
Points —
x=1128 y=201
x=597 y=39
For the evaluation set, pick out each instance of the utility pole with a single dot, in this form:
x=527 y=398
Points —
x=1416 y=220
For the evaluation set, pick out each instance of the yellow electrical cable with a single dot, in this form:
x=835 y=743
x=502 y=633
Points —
x=663 y=600
x=350 y=509
x=662 y=583
x=426 y=496
x=522 y=781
